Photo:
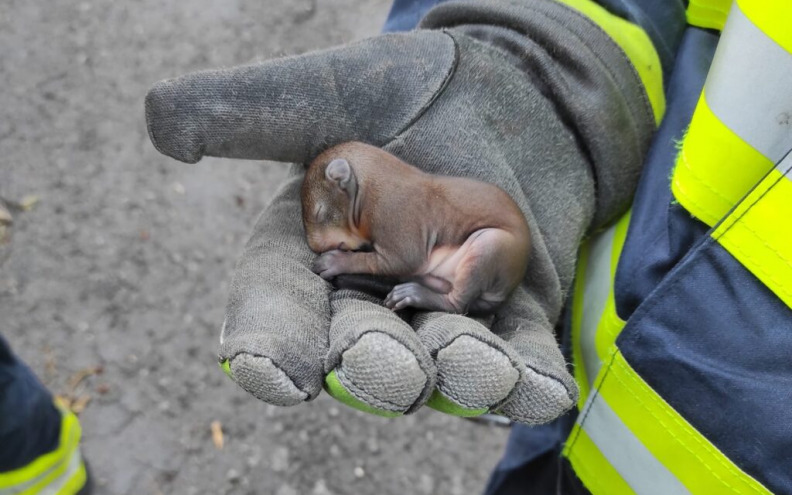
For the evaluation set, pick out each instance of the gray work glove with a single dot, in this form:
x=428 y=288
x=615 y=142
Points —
x=529 y=95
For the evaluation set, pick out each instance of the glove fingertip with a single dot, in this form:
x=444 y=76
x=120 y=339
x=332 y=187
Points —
x=539 y=399
x=260 y=377
x=167 y=132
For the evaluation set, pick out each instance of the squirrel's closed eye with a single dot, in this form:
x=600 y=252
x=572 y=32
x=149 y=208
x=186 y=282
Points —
x=319 y=213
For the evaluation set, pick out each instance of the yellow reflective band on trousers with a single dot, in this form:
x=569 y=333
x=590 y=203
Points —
x=748 y=86
x=595 y=324
x=635 y=44
x=743 y=122
x=628 y=434
x=758 y=233
x=773 y=17
x=592 y=467
x=60 y=472
x=715 y=168
x=709 y=14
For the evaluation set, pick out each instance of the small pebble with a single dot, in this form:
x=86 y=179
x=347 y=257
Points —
x=233 y=475
x=280 y=459
x=320 y=488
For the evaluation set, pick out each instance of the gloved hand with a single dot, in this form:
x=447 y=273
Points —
x=530 y=96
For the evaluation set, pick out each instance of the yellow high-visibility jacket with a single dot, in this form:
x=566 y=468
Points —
x=681 y=321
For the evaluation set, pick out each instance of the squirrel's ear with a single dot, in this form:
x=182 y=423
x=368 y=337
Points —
x=340 y=172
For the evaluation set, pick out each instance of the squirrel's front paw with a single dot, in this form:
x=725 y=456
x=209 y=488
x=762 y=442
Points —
x=329 y=264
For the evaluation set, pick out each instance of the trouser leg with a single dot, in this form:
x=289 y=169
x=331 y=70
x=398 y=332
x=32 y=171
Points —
x=29 y=421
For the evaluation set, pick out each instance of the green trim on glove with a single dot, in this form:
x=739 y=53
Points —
x=439 y=402
x=225 y=365
x=339 y=392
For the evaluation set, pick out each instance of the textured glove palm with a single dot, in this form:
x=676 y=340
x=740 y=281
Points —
x=548 y=108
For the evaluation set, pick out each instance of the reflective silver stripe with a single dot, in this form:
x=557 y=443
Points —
x=749 y=86
x=57 y=485
x=597 y=283
x=628 y=456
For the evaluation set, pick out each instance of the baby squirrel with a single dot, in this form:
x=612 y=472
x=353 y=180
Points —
x=436 y=242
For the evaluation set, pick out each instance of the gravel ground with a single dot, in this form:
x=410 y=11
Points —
x=117 y=277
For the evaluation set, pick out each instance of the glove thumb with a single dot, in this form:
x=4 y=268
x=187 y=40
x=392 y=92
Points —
x=290 y=109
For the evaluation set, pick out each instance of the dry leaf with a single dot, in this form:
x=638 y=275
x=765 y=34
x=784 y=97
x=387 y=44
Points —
x=217 y=435
x=5 y=215
x=5 y=223
x=28 y=202
x=82 y=374
x=79 y=404
x=50 y=365
x=73 y=404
